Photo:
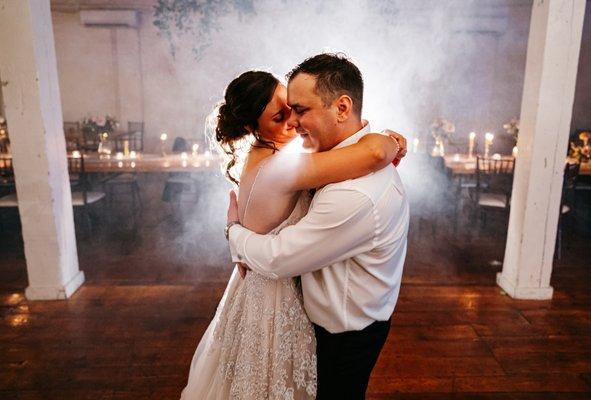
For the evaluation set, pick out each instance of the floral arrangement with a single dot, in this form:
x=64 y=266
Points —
x=442 y=129
x=582 y=150
x=98 y=125
x=512 y=128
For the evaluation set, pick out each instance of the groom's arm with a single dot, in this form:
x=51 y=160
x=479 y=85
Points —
x=339 y=225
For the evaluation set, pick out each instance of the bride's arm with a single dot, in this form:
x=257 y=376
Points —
x=292 y=172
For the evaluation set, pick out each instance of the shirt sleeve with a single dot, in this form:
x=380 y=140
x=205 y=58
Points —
x=339 y=225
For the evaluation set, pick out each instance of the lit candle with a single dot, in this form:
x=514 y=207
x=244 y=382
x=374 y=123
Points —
x=132 y=155
x=515 y=151
x=120 y=164
x=435 y=151
x=488 y=140
x=415 y=145
x=163 y=138
x=184 y=156
x=132 y=164
x=496 y=156
x=472 y=137
x=119 y=155
x=76 y=154
x=195 y=149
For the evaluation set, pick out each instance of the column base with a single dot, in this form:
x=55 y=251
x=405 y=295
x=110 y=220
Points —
x=524 y=293
x=55 y=292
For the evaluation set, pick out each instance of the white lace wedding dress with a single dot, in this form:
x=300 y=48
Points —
x=260 y=344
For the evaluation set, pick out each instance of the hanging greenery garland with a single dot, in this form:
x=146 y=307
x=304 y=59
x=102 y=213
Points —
x=195 y=18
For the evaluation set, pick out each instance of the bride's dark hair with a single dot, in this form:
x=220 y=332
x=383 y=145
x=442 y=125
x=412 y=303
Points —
x=244 y=101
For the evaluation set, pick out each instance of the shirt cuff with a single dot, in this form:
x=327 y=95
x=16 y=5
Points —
x=237 y=236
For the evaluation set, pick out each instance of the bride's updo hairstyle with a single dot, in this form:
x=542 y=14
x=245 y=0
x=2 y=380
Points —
x=244 y=101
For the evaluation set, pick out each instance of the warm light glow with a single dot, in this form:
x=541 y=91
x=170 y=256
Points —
x=133 y=164
x=472 y=135
x=456 y=157
x=163 y=136
x=76 y=154
x=132 y=155
x=184 y=156
x=120 y=164
x=184 y=163
x=195 y=148
x=119 y=155
x=496 y=156
x=14 y=299
x=515 y=151
x=18 y=320
x=489 y=137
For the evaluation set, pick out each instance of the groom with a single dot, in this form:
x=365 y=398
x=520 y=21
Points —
x=350 y=247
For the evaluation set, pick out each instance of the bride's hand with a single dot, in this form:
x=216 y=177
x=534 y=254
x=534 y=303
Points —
x=233 y=207
x=401 y=142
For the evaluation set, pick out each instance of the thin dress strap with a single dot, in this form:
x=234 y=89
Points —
x=261 y=165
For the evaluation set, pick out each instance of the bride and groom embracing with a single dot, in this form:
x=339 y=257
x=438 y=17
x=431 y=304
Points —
x=319 y=239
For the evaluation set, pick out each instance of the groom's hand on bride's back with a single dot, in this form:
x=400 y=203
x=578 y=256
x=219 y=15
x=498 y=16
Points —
x=401 y=142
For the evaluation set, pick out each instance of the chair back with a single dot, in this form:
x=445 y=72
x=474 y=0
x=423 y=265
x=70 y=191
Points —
x=72 y=134
x=494 y=176
x=78 y=178
x=6 y=175
x=569 y=184
x=134 y=135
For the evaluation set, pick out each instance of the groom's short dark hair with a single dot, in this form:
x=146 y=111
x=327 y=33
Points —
x=335 y=75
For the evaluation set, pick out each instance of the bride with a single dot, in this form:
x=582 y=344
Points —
x=260 y=343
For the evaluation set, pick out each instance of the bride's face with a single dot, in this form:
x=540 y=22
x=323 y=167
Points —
x=273 y=124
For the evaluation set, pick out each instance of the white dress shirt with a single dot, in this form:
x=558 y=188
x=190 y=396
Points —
x=349 y=249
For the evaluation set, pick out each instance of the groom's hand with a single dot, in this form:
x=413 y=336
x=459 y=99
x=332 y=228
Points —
x=401 y=142
x=233 y=208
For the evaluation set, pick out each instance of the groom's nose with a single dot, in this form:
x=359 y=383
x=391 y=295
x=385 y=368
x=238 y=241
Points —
x=292 y=121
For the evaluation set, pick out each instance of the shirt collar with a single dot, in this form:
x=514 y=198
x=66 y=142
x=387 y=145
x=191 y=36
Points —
x=354 y=138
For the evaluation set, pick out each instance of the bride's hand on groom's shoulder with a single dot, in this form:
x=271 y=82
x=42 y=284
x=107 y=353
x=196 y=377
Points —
x=401 y=143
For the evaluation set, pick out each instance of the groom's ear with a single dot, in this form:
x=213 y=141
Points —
x=344 y=105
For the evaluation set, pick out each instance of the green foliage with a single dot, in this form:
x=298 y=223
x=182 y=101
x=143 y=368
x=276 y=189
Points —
x=196 y=19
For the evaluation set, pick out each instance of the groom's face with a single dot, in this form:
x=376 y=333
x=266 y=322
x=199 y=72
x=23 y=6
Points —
x=314 y=121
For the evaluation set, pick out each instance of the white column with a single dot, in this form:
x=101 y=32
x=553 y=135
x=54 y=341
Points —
x=34 y=114
x=546 y=110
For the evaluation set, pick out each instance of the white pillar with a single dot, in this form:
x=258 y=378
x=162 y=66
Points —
x=546 y=110
x=33 y=110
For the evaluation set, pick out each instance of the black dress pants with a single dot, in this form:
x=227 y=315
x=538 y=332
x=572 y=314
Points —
x=345 y=360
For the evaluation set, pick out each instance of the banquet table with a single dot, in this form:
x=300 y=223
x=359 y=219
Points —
x=150 y=163
x=461 y=164
x=147 y=163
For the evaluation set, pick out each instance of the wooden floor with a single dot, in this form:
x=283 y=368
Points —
x=131 y=329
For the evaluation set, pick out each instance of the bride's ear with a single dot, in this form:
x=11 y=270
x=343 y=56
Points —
x=249 y=128
x=344 y=106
